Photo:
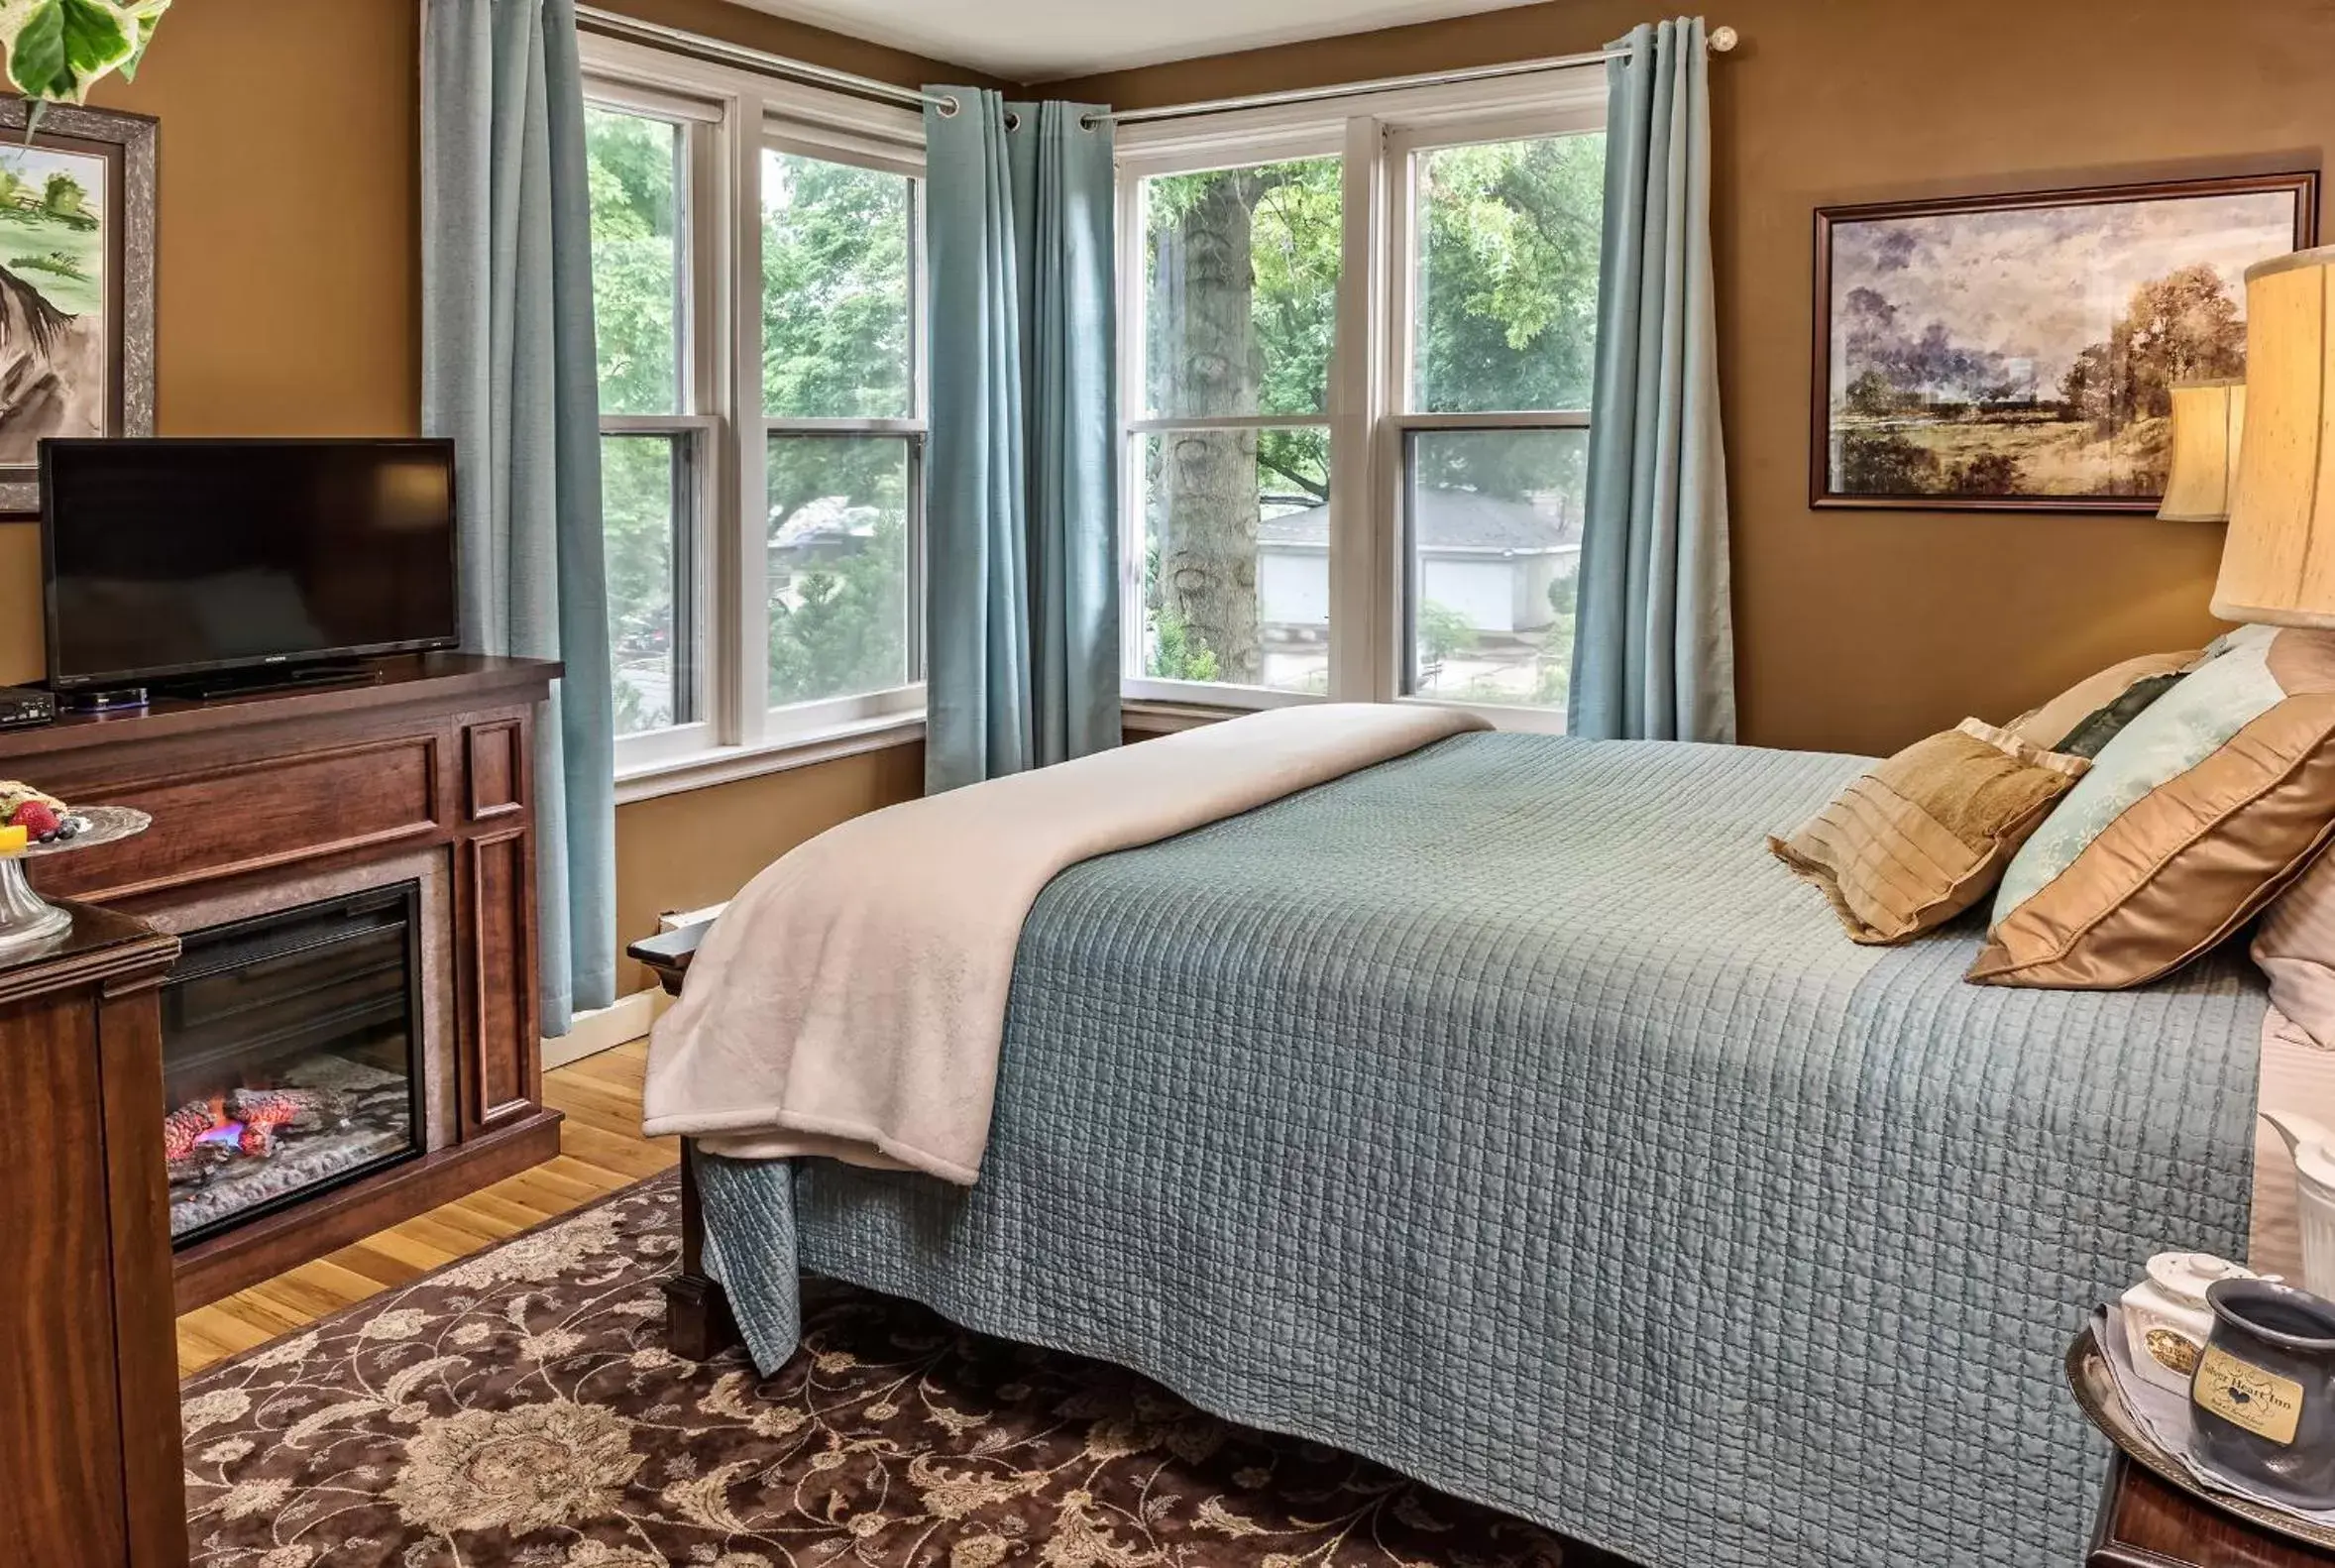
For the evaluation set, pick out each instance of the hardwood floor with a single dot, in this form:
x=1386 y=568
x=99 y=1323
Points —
x=600 y=1150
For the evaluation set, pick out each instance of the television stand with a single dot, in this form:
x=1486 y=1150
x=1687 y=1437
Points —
x=276 y=805
x=281 y=678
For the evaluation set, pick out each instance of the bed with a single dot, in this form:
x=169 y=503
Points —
x=1505 y=1113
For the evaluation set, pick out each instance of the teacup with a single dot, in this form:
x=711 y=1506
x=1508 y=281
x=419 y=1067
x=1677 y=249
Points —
x=2262 y=1396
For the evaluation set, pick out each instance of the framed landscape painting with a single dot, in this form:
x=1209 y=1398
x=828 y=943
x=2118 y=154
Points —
x=2018 y=352
x=76 y=284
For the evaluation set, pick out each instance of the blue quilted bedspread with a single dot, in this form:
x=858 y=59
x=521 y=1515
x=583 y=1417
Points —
x=1507 y=1114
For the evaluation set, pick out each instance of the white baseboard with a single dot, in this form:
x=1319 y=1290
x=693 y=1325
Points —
x=606 y=1028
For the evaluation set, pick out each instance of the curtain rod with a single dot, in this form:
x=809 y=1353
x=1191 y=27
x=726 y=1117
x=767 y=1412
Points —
x=1721 y=39
x=616 y=24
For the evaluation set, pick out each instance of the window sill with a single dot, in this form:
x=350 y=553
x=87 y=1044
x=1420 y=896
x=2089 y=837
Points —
x=728 y=764
x=1150 y=716
x=1143 y=715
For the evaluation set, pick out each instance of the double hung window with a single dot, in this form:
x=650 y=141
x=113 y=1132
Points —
x=756 y=249
x=1357 y=372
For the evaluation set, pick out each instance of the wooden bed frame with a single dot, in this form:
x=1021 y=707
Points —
x=697 y=1308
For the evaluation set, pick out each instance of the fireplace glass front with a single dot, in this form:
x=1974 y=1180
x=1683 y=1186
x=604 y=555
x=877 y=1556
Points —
x=290 y=1056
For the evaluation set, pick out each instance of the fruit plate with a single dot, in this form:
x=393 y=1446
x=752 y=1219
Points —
x=107 y=824
x=2095 y=1390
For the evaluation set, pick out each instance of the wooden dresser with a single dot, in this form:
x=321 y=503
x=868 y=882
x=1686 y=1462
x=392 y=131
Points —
x=89 y=1448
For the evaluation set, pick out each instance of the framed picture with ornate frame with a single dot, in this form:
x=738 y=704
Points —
x=76 y=284
x=2016 y=353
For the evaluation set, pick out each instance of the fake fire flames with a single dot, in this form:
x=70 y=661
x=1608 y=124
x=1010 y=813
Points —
x=200 y=1135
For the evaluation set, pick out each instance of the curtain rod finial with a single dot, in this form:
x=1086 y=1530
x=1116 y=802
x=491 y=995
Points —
x=1723 y=39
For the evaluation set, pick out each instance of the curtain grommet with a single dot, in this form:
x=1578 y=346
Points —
x=945 y=108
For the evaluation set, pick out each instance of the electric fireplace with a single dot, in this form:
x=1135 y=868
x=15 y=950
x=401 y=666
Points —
x=292 y=1057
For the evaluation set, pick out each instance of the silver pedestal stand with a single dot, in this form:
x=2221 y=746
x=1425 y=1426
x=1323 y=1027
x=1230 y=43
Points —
x=26 y=918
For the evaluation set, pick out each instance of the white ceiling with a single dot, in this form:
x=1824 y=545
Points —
x=1043 y=40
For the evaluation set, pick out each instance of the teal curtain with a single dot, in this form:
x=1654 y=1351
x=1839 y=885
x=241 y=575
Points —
x=508 y=373
x=1653 y=656
x=1021 y=472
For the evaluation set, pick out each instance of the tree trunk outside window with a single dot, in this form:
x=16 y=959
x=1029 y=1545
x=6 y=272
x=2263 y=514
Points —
x=1209 y=362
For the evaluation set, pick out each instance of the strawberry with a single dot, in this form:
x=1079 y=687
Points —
x=36 y=818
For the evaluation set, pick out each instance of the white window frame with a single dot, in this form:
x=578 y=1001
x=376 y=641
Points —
x=731 y=117
x=1368 y=405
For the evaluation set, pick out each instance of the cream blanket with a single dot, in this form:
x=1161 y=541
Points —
x=851 y=1002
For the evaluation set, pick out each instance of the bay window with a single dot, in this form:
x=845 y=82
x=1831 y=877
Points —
x=1357 y=371
x=756 y=249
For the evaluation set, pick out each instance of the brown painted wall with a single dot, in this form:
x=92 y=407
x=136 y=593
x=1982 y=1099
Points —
x=1862 y=630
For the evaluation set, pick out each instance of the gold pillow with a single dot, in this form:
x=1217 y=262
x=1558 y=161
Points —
x=1924 y=834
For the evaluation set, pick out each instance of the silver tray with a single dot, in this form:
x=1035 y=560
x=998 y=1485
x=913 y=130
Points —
x=2095 y=1390
x=107 y=824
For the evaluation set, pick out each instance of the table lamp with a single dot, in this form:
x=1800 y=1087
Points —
x=2278 y=562
x=2208 y=418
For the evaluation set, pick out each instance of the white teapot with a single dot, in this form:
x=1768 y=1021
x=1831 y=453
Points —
x=2313 y=1148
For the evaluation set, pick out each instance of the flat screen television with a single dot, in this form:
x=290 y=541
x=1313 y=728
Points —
x=164 y=560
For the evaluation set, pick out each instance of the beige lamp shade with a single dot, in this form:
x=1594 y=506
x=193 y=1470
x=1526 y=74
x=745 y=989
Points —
x=2278 y=562
x=2208 y=419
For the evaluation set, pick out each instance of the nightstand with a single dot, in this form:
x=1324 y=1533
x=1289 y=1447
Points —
x=2145 y=1523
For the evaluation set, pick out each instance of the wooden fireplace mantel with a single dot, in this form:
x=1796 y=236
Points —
x=263 y=802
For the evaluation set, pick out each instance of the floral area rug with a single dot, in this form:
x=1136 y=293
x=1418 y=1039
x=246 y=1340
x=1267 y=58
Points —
x=520 y=1408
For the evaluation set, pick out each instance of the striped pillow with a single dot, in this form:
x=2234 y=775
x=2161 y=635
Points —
x=1924 y=834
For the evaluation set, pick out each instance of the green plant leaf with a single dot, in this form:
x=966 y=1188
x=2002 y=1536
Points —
x=35 y=54
x=96 y=38
x=59 y=49
x=144 y=19
x=144 y=29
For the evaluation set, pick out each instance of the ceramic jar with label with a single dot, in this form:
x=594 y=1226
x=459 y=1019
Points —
x=2166 y=1318
x=2262 y=1400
